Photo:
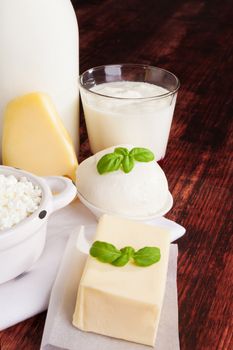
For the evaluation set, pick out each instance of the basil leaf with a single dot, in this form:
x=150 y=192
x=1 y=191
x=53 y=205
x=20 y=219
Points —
x=147 y=256
x=127 y=164
x=121 y=261
x=121 y=150
x=142 y=154
x=108 y=253
x=126 y=254
x=104 y=252
x=128 y=250
x=121 y=157
x=109 y=162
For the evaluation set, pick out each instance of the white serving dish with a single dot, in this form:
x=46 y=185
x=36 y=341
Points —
x=98 y=212
x=22 y=245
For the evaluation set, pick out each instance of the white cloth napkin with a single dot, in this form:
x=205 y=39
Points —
x=59 y=332
x=29 y=294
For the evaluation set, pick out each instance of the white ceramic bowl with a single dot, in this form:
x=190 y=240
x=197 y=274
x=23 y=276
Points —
x=22 y=245
x=98 y=212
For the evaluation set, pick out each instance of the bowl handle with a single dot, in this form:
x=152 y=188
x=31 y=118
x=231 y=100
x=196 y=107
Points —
x=63 y=190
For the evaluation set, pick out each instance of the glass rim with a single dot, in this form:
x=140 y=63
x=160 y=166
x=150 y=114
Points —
x=139 y=65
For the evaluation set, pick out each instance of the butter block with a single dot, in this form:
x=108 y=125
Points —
x=123 y=302
x=35 y=139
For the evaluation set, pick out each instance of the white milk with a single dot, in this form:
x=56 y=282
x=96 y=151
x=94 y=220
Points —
x=134 y=117
x=39 y=52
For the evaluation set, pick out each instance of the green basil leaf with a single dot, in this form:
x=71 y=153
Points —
x=126 y=254
x=129 y=251
x=104 y=252
x=121 y=261
x=121 y=150
x=147 y=256
x=108 y=253
x=109 y=162
x=142 y=154
x=127 y=164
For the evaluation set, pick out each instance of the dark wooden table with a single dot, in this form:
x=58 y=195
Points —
x=194 y=40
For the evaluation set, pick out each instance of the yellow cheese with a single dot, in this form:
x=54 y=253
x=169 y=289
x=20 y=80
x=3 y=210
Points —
x=123 y=302
x=35 y=139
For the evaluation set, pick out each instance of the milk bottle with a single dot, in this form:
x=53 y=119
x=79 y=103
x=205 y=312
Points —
x=39 y=52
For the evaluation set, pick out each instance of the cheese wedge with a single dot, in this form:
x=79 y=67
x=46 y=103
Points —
x=123 y=302
x=35 y=139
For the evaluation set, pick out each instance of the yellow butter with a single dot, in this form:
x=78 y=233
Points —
x=123 y=302
x=35 y=139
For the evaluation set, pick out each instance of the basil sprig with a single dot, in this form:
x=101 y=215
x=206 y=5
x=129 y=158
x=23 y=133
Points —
x=123 y=159
x=108 y=253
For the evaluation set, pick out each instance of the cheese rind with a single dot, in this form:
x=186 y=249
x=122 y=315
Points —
x=35 y=139
x=123 y=302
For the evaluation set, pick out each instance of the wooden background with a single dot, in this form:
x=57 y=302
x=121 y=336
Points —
x=194 y=40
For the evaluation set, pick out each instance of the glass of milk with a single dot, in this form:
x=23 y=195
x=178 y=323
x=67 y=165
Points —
x=129 y=104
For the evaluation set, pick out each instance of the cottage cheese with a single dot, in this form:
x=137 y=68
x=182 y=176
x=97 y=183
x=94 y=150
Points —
x=19 y=198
